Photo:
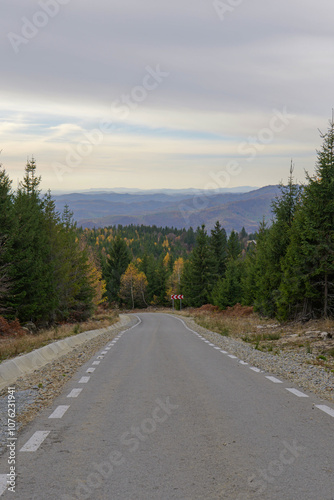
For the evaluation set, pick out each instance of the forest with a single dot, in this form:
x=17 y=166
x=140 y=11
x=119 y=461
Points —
x=52 y=271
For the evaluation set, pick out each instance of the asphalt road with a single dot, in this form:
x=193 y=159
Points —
x=161 y=414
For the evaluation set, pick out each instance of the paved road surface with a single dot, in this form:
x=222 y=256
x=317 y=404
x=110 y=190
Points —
x=165 y=415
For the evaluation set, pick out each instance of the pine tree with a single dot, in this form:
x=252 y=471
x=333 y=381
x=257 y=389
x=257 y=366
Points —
x=229 y=290
x=30 y=298
x=198 y=276
x=308 y=286
x=218 y=243
x=117 y=263
x=233 y=246
x=7 y=229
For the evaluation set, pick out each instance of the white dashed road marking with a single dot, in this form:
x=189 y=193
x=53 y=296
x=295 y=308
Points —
x=257 y=370
x=217 y=348
x=275 y=380
x=84 y=380
x=243 y=363
x=298 y=393
x=96 y=362
x=224 y=352
x=59 y=411
x=100 y=357
x=90 y=370
x=3 y=483
x=74 y=393
x=232 y=356
x=326 y=409
x=35 y=441
x=104 y=352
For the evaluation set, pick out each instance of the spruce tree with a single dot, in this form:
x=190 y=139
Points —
x=7 y=229
x=308 y=286
x=218 y=243
x=199 y=275
x=117 y=263
x=30 y=298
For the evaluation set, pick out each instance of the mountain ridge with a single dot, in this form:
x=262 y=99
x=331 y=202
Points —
x=234 y=210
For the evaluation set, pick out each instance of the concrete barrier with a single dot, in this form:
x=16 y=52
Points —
x=14 y=368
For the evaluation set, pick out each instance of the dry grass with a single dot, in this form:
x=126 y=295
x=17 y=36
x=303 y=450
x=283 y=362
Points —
x=270 y=336
x=15 y=345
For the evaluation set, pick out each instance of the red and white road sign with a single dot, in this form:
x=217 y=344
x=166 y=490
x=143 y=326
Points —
x=173 y=297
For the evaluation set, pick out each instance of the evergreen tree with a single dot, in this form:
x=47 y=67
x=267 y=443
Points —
x=30 y=274
x=117 y=263
x=7 y=229
x=308 y=286
x=229 y=290
x=218 y=243
x=233 y=246
x=198 y=276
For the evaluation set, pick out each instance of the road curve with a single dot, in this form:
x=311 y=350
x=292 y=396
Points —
x=162 y=414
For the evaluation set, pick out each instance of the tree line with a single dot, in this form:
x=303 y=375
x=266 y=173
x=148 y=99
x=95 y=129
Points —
x=47 y=272
x=285 y=270
x=52 y=271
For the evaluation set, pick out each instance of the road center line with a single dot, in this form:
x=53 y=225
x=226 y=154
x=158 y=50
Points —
x=275 y=380
x=3 y=483
x=326 y=409
x=59 y=411
x=74 y=393
x=84 y=380
x=35 y=441
x=298 y=393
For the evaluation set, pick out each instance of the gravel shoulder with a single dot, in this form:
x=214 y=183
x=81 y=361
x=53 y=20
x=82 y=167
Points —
x=291 y=365
x=36 y=391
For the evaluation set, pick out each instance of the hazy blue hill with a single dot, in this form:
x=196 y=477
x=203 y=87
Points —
x=178 y=209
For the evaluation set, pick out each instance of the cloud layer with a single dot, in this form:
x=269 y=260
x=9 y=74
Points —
x=163 y=93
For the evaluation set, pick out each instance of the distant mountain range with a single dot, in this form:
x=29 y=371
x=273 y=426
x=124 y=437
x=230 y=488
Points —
x=173 y=208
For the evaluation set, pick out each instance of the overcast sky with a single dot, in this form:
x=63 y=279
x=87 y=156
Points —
x=152 y=94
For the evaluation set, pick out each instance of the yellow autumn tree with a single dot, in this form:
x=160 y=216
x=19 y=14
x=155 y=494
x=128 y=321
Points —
x=133 y=287
x=174 y=281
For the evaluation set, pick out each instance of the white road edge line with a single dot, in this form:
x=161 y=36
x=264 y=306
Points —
x=232 y=356
x=84 y=380
x=224 y=352
x=35 y=441
x=243 y=362
x=274 y=379
x=59 y=411
x=257 y=370
x=297 y=393
x=326 y=409
x=3 y=483
x=74 y=393
x=90 y=370
x=104 y=352
x=96 y=362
